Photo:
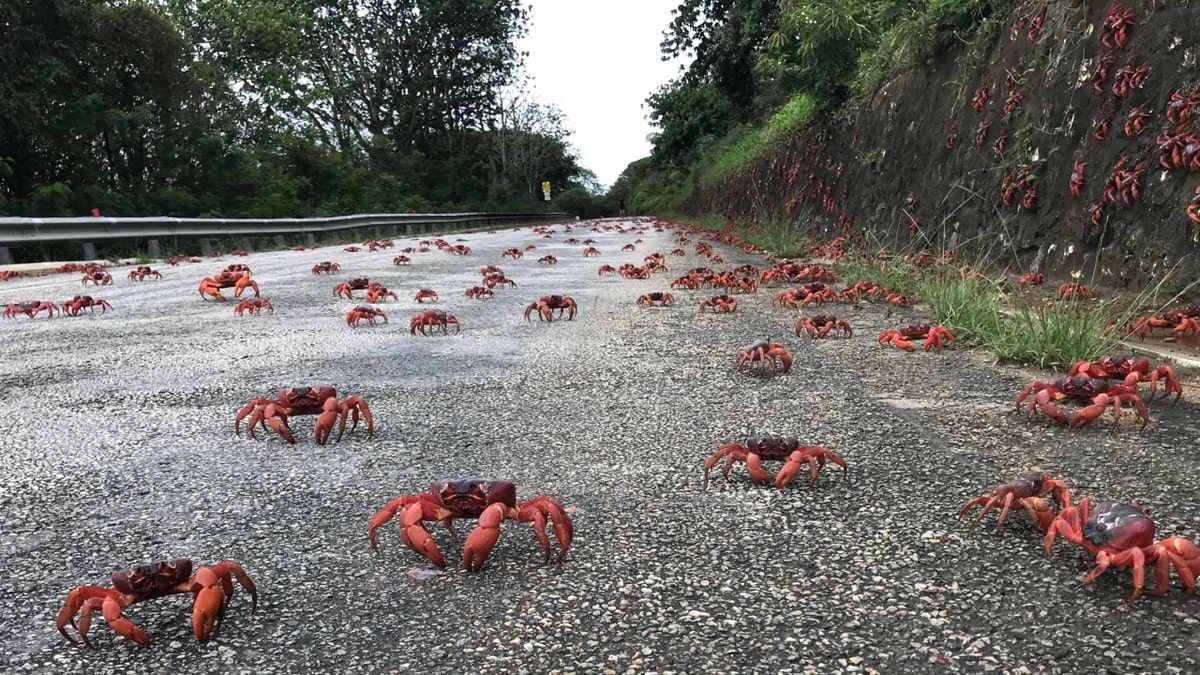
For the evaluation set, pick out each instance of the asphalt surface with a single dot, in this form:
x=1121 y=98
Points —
x=120 y=450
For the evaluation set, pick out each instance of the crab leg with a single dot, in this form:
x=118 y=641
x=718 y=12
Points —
x=82 y=601
x=1134 y=557
x=538 y=510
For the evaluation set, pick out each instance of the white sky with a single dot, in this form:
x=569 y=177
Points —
x=598 y=61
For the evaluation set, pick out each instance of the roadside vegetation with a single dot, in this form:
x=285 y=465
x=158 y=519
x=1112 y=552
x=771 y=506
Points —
x=264 y=108
x=761 y=70
x=980 y=311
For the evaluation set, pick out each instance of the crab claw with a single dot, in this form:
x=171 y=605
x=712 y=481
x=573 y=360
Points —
x=789 y=471
x=209 y=605
x=483 y=538
x=1084 y=417
x=330 y=411
x=416 y=537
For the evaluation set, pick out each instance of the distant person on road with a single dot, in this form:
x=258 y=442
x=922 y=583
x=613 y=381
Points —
x=621 y=207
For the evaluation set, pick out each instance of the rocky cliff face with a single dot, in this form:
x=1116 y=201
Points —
x=979 y=154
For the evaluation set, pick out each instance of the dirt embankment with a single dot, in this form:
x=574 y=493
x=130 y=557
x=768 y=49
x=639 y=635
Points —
x=1042 y=99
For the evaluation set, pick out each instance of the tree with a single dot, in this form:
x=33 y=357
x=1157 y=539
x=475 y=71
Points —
x=723 y=37
x=687 y=115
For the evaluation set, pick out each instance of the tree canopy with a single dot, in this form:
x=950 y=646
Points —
x=271 y=108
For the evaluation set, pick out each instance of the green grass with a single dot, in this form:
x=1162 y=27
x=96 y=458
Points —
x=894 y=274
x=743 y=144
x=975 y=311
x=1054 y=337
x=968 y=308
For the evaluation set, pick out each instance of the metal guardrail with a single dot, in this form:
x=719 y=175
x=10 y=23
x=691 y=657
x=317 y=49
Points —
x=17 y=231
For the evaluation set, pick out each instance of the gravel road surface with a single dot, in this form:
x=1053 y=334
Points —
x=120 y=450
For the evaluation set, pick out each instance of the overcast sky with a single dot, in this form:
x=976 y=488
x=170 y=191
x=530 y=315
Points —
x=598 y=60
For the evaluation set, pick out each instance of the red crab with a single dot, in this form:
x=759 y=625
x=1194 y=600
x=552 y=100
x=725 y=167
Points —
x=513 y=253
x=425 y=294
x=762 y=353
x=1071 y=291
x=1123 y=535
x=1179 y=107
x=663 y=299
x=1026 y=492
x=725 y=303
x=1077 y=178
x=254 y=306
x=1135 y=121
x=1116 y=26
x=1100 y=75
x=1129 y=78
x=401 y=260
x=362 y=313
x=322 y=402
x=348 y=287
x=591 y=251
x=1180 y=321
x=480 y=292
x=548 y=259
x=210 y=587
x=980 y=99
x=546 y=305
x=1132 y=370
x=326 y=268
x=1032 y=279
x=144 y=272
x=1013 y=102
x=1100 y=393
x=238 y=280
x=932 y=335
x=30 y=309
x=819 y=326
x=774 y=448
x=952 y=137
x=981 y=132
x=376 y=292
x=435 y=318
x=494 y=280
x=607 y=269
x=81 y=302
x=97 y=275
x=489 y=500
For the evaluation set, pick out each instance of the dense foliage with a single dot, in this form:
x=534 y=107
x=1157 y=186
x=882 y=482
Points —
x=273 y=108
x=762 y=69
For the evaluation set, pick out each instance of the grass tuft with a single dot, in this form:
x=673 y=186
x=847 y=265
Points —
x=1054 y=337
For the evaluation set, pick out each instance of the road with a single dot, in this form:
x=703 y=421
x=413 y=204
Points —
x=121 y=451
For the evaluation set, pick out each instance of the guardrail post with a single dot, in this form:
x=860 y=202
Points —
x=248 y=244
x=379 y=233
x=408 y=229
x=205 y=247
x=5 y=256
x=310 y=238
x=357 y=231
x=153 y=249
x=279 y=241
x=89 y=250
